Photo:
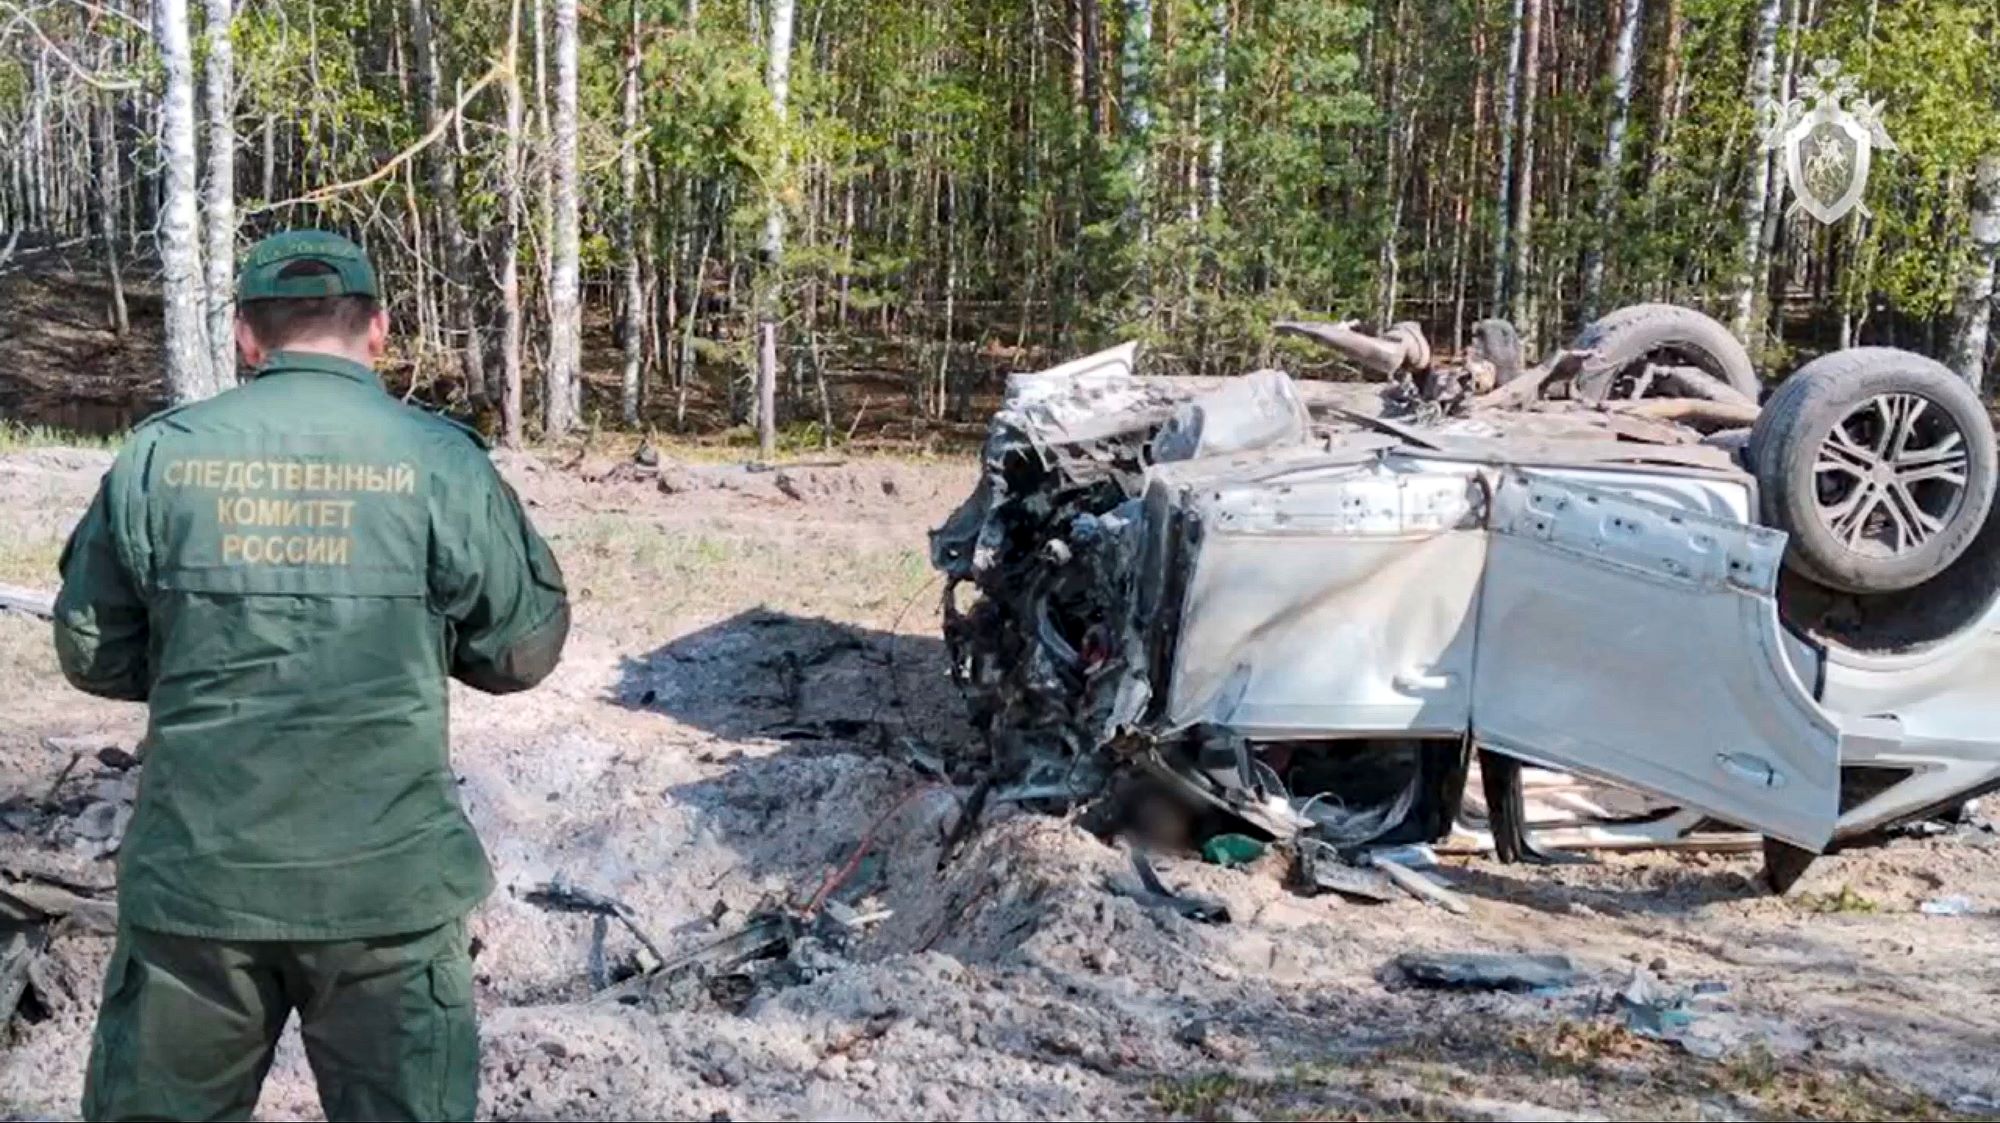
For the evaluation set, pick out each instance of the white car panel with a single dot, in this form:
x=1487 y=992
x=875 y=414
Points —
x=1294 y=580
x=1640 y=643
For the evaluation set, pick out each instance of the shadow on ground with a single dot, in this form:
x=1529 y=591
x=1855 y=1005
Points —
x=775 y=675
x=1673 y=891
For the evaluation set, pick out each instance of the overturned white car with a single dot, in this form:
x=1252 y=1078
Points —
x=1312 y=606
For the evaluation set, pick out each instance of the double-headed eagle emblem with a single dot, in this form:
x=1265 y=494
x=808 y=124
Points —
x=1826 y=144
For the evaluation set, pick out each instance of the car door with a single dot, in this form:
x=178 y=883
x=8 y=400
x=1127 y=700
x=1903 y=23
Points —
x=1638 y=641
x=1330 y=601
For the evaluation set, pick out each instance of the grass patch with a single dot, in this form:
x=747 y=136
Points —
x=738 y=445
x=29 y=560
x=661 y=572
x=1846 y=902
x=1590 y=1067
x=16 y=437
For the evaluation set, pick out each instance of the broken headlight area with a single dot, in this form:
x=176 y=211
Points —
x=1063 y=583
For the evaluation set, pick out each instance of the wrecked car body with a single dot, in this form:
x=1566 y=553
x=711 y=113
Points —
x=1320 y=608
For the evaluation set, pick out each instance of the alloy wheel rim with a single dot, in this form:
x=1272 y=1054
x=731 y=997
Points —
x=1890 y=474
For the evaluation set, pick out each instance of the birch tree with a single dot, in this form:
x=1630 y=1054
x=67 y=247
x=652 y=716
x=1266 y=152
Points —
x=1524 y=194
x=221 y=195
x=457 y=282
x=628 y=224
x=1611 y=166
x=1756 y=185
x=565 y=302
x=777 y=80
x=1089 y=36
x=1509 y=100
x=1134 y=67
x=190 y=362
x=107 y=211
x=1218 y=99
x=510 y=242
x=1974 y=311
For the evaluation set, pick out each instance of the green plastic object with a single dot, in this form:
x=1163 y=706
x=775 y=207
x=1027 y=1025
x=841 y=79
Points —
x=1232 y=850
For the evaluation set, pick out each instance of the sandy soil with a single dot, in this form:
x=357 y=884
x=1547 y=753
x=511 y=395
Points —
x=755 y=654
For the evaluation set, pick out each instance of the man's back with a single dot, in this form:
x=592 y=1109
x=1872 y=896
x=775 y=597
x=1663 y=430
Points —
x=308 y=560
x=286 y=575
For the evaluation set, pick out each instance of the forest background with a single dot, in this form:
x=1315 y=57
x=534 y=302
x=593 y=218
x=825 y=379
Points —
x=812 y=218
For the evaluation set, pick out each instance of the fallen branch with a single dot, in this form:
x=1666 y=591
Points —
x=569 y=898
x=1529 y=386
x=1696 y=413
x=1421 y=887
x=1693 y=382
x=497 y=71
x=35 y=902
x=89 y=77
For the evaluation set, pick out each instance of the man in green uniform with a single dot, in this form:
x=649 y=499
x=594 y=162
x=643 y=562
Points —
x=286 y=575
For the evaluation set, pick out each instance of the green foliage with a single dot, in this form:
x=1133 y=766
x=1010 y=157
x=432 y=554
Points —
x=944 y=156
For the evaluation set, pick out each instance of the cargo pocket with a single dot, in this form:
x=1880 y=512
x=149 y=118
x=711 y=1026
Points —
x=456 y=1080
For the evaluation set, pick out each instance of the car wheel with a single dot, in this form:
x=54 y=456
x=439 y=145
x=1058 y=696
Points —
x=1625 y=340
x=1879 y=464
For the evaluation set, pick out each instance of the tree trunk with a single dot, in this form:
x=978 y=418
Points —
x=456 y=292
x=270 y=157
x=1769 y=264
x=1509 y=99
x=1387 y=264
x=1757 y=185
x=1975 y=290
x=777 y=77
x=565 y=299
x=1135 y=94
x=1218 y=95
x=510 y=244
x=190 y=363
x=628 y=227
x=545 y=211
x=1611 y=166
x=107 y=211
x=1524 y=194
x=1670 y=84
x=221 y=196
x=1091 y=33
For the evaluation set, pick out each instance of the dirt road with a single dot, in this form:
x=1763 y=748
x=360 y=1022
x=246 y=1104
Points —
x=754 y=660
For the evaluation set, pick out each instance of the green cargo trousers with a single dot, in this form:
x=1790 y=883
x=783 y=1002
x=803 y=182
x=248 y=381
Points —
x=188 y=1025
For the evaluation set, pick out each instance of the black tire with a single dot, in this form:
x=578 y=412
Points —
x=1866 y=512
x=1631 y=334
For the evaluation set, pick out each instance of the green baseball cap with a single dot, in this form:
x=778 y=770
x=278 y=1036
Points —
x=259 y=278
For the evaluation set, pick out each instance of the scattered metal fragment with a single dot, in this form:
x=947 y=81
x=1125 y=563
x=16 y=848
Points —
x=1486 y=971
x=1151 y=892
x=19 y=948
x=38 y=902
x=1953 y=905
x=31 y=602
x=561 y=897
x=1411 y=855
x=1699 y=1020
x=1321 y=867
x=1421 y=886
x=49 y=797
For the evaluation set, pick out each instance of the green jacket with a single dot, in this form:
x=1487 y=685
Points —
x=286 y=574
